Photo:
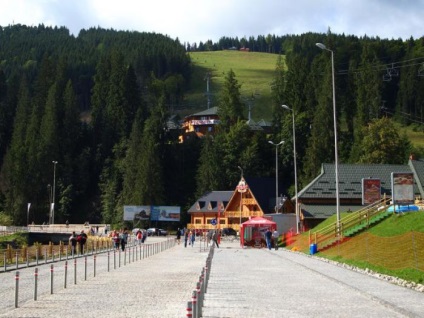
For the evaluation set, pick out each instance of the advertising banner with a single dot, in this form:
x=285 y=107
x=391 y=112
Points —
x=403 y=188
x=371 y=191
x=166 y=213
x=136 y=212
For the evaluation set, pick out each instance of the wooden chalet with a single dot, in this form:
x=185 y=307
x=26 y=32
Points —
x=199 y=124
x=318 y=199
x=252 y=197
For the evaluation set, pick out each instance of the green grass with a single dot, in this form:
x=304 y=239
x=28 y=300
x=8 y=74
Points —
x=254 y=71
x=395 y=225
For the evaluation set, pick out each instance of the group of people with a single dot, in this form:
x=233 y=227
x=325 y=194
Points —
x=190 y=237
x=269 y=236
x=120 y=239
x=77 y=240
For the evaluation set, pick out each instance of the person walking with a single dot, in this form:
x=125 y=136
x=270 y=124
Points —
x=123 y=238
x=275 y=236
x=73 y=241
x=82 y=239
x=192 y=237
x=268 y=237
x=116 y=240
x=185 y=238
x=178 y=236
x=215 y=238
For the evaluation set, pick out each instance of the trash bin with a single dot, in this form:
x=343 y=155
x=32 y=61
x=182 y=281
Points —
x=313 y=249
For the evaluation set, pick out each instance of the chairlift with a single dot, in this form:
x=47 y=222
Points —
x=393 y=71
x=387 y=77
x=421 y=70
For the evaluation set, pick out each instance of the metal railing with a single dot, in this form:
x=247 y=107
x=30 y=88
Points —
x=332 y=233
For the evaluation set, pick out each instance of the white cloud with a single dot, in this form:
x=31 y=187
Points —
x=200 y=20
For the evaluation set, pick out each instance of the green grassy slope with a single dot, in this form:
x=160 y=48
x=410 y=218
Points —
x=254 y=71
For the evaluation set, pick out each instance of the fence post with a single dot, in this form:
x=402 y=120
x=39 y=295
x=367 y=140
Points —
x=51 y=279
x=35 y=283
x=94 y=260
x=16 y=288
x=85 y=267
x=17 y=260
x=27 y=258
x=66 y=274
x=108 y=261
x=75 y=271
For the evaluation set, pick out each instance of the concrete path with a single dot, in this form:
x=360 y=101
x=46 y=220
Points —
x=269 y=283
x=243 y=283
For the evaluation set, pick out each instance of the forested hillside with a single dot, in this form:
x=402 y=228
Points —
x=99 y=103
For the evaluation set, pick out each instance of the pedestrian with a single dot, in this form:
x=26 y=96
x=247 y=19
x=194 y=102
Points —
x=275 y=236
x=115 y=239
x=209 y=237
x=215 y=238
x=124 y=238
x=192 y=237
x=73 y=241
x=138 y=237
x=178 y=236
x=268 y=237
x=82 y=239
x=185 y=238
x=144 y=236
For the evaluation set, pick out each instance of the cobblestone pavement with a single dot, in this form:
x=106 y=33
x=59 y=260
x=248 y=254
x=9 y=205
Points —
x=157 y=286
x=243 y=283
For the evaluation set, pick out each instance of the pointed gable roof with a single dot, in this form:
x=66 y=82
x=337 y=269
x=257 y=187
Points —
x=211 y=202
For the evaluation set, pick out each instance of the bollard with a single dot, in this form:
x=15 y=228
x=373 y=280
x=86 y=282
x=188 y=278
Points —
x=189 y=309
x=45 y=255
x=66 y=274
x=17 y=260
x=94 y=264
x=51 y=279
x=194 y=304
x=16 y=289
x=108 y=261
x=36 y=256
x=35 y=283
x=75 y=271
x=4 y=261
x=125 y=257
x=85 y=267
x=119 y=258
x=114 y=259
x=199 y=297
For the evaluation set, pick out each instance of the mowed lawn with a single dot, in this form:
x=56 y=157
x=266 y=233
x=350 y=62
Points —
x=254 y=72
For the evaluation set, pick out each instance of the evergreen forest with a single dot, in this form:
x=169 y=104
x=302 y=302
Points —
x=99 y=104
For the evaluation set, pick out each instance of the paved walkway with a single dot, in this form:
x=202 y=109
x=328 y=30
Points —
x=243 y=283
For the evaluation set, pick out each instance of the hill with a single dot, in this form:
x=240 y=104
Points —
x=393 y=247
x=254 y=71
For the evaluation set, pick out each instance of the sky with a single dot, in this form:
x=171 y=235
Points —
x=201 y=20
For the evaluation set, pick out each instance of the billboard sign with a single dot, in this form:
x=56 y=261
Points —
x=136 y=212
x=402 y=188
x=371 y=191
x=166 y=213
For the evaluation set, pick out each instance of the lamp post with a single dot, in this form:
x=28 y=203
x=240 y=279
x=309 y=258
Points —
x=54 y=189
x=336 y=158
x=276 y=172
x=295 y=169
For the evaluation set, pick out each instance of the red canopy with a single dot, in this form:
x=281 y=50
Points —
x=256 y=222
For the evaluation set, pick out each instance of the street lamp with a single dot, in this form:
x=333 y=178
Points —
x=54 y=189
x=336 y=158
x=276 y=172
x=295 y=169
